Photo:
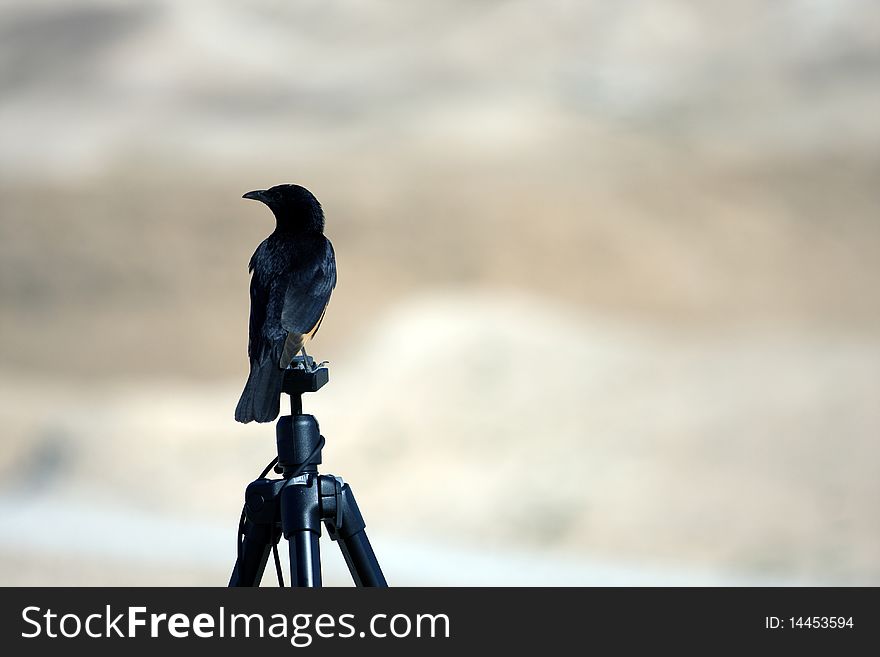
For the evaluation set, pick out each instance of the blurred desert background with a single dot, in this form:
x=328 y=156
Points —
x=607 y=308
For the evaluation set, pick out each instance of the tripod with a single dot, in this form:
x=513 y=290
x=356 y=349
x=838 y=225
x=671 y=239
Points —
x=295 y=505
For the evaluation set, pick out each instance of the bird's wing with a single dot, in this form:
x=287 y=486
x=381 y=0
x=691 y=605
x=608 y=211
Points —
x=308 y=293
x=259 y=301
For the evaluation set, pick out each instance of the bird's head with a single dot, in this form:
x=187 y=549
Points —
x=295 y=208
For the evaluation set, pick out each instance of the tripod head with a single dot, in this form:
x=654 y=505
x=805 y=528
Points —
x=298 y=436
x=303 y=378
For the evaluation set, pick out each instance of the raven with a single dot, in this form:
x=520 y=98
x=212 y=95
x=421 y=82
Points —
x=293 y=275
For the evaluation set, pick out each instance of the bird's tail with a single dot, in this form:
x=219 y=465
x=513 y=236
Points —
x=261 y=397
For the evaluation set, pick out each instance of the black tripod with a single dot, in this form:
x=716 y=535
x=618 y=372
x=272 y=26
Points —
x=296 y=504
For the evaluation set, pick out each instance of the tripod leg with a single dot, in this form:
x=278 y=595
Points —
x=260 y=532
x=253 y=554
x=361 y=560
x=301 y=524
x=347 y=527
x=305 y=559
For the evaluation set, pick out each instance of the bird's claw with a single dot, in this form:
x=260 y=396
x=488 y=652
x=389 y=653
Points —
x=307 y=363
x=310 y=366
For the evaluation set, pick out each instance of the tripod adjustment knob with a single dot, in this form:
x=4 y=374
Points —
x=331 y=499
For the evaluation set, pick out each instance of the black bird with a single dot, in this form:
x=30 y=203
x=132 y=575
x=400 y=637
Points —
x=294 y=272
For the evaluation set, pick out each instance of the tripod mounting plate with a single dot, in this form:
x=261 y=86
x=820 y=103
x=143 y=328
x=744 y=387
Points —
x=298 y=381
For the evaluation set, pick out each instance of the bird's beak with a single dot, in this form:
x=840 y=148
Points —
x=258 y=195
